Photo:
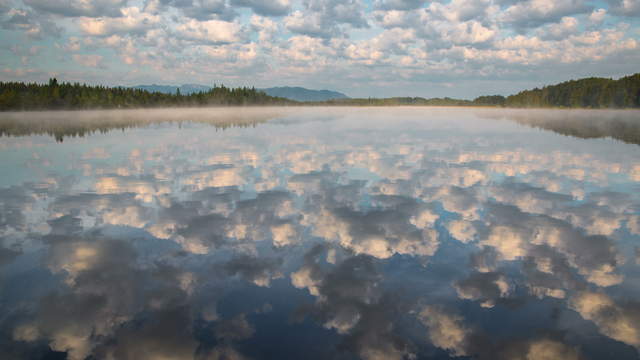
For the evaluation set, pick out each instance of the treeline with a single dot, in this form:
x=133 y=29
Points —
x=60 y=96
x=583 y=93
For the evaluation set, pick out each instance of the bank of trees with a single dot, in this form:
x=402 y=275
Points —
x=54 y=95
x=584 y=93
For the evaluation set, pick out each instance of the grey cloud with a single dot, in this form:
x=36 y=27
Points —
x=260 y=271
x=446 y=330
x=539 y=349
x=616 y=201
x=486 y=288
x=353 y=303
x=164 y=334
x=13 y=205
x=617 y=321
x=624 y=7
x=74 y=8
x=515 y=234
x=35 y=25
x=399 y=4
x=204 y=232
x=197 y=9
x=548 y=273
x=529 y=198
x=529 y=14
x=106 y=288
x=207 y=9
x=485 y=260
x=236 y=328
x=266 y=8
x=7 y=255
x=325 y=18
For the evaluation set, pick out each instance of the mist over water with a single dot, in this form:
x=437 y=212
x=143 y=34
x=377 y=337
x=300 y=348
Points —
x=316 y=233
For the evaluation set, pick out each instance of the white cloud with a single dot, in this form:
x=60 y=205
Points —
x=446 y=331
x=615 y=321
x=133 y=21
x=212 y=31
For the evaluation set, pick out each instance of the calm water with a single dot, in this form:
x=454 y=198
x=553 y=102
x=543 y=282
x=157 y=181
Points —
x=402 y=233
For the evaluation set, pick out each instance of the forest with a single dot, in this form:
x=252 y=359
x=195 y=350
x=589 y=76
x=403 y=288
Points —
x=584 y=93
x=67 y=96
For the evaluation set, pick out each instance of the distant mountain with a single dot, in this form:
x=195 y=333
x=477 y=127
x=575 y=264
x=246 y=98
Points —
x=185 y=89
x=288 y=92
x=302 y=94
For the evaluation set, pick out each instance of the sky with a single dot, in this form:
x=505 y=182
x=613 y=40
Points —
x=377 y=48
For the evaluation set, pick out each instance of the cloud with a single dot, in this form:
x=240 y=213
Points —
x=461 y=230
x=236 y=328
x=196 y=9
x=624 y=7
x=132 y=21
x=77 y=8
x=260 y=271
x=514 y=235
x=351 y=302
x=271 y=8
x=533 y=13
x=211 y=31
x=615 y=321
x=486 y=287
x=92 y=61
x=34 y=25
x=399 y=4
x=324 y=18
x=445 y=330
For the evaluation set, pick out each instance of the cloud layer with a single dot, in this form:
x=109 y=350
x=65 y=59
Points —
x=364 y=48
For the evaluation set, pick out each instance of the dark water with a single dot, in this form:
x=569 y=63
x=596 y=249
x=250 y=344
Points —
x=378 y=233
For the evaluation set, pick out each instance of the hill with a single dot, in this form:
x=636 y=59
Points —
x=584 y=93
x=302 y=94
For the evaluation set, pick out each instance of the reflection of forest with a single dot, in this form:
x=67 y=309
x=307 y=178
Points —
x=586 y=124
x=79 y=124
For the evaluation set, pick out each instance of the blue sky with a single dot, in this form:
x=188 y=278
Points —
x=458 y=48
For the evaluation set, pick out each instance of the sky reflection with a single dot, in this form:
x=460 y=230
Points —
x=318 y=233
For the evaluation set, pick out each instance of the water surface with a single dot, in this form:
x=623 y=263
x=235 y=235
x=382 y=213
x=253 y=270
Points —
x=318 y=233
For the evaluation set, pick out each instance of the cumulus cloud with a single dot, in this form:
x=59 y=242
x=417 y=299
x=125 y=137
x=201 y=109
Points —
x=211 y=31
x=625 y=7
x=446 y=330
x=76 y=8
x=485 y=287
x=271 y=8
x=532 y=13
x=398 y=4
x=325 y=18
x=31 y=23
x=132 y=21
x=615 y=321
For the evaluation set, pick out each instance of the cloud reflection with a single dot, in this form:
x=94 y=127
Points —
x=412 y=248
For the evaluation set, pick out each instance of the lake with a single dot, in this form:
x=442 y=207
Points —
x=320 y=233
